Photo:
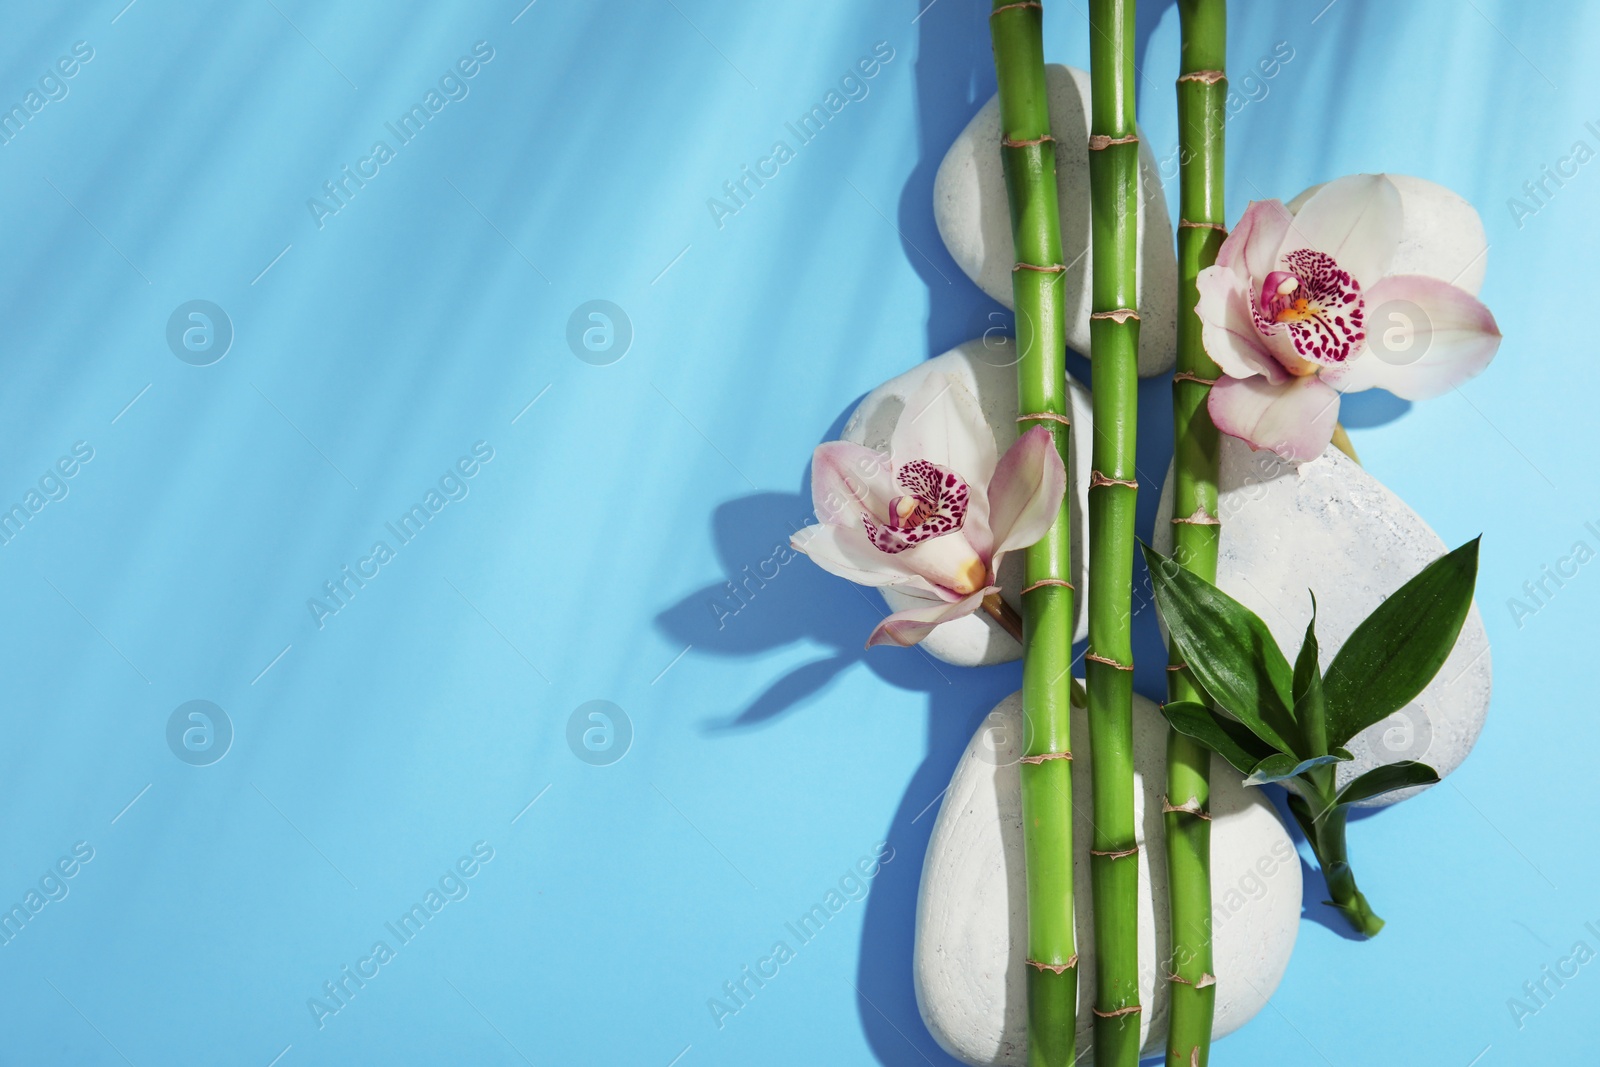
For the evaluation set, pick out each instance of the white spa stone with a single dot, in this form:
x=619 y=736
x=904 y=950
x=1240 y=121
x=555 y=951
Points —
x=1332 y=527
x=969 y=206
x=971 y=939
x=987 y=367
x=1441 y=235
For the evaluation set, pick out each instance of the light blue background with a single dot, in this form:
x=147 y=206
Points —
x=770 y=754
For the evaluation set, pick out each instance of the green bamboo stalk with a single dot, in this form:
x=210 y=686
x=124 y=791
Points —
x=1202 y=92
x=1113 y=352
x=1028 y=153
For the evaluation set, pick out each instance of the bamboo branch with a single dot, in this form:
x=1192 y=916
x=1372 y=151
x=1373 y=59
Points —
x=1113 y=351
x=1028 y=153
x=1202 y=93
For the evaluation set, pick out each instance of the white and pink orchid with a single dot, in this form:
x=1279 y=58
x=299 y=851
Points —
x=934 y=515
x=1301 y=308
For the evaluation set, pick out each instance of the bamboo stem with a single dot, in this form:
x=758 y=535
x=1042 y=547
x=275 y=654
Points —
x=1004 y=614
x=1030 y=168
x=1202 y=93
x=1327 y=839
x=1341 y=441
x=1113 y=351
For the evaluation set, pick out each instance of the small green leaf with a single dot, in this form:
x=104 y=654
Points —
x=1387 y=779
x=1229 y=649
x=1230 y=740
x=1309 y=705
x=1398 y=649
x=1278 y=767
x=1343 y=754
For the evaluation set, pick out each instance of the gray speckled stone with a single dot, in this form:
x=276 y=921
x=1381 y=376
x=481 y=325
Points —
x=969 y=205
x=1332 y=527
x=971 y=938
x=987 y=367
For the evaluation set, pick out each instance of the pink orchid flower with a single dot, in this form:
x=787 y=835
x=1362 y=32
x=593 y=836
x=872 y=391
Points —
x=1301 y=308
x=934 y=516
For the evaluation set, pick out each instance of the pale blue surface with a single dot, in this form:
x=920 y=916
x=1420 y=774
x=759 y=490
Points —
x=772 y=754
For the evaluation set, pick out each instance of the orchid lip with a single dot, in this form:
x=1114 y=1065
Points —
x=1319 y=304
x=935 y=504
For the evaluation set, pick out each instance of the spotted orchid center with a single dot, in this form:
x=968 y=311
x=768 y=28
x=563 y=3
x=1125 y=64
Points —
x=935 y=503
x=909 y=512
x=1319 y=304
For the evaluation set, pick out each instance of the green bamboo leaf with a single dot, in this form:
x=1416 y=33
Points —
x=1309 y=703
x=1231 y=740
x=1398 y=649
x=1387 y=779
x=1279 y=767
x=1229 y=649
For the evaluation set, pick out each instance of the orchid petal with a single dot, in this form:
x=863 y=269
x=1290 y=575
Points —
x=943 y=424
x=1356 y=220
x=1252 y=248
x=1228 y=330
x=949 y=565
x=847 y=480
x=1294 y=418
x=1424 y=337
x=846 y=552
x=1025 y=493
x=906 y=628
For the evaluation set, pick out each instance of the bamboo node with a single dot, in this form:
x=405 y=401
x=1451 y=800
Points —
x=1117 y=315
x=1190 y=376
x=1008 y=7
x=1205 y=980
x=1204 y=77
x=1201 y=517
x=1167 y=807
x=1177 y=667
x=1134 y=851
x=1100 y=141
x=1175 y=977
x=1131 y=1009
x=1049 y=268
x=1042 y=582
x=1058 y=968
x=1052 y=416
x=1096 y=480
x=1194 y=1056
x=1185 y=224
x=1096 y=658
x=1043 y=756
x=1006 y=142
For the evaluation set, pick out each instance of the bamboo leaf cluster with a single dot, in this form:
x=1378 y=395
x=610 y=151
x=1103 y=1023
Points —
x=1289 y=725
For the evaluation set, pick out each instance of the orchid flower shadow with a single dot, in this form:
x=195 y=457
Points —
x=770 y=596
